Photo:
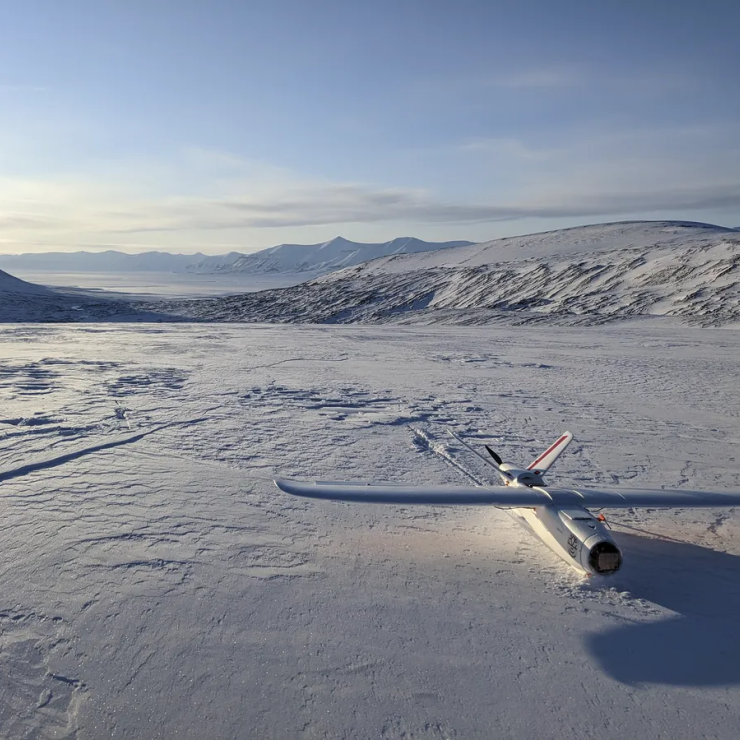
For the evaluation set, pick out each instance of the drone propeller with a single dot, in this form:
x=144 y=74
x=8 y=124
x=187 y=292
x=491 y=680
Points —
x=498 y=460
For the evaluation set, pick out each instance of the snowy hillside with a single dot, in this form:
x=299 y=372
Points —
x=590 y=274
x=324 y=257
x=13 y=286
x=23 y=301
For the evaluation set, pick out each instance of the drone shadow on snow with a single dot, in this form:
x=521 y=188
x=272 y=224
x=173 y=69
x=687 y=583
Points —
x=700 y=645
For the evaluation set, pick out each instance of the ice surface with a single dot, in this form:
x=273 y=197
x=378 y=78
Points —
x=154 y=583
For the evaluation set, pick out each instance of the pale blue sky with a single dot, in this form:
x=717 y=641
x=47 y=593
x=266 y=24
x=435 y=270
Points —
x=214 y=125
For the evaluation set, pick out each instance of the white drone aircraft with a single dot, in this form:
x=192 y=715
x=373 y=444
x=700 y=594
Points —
x=560 y=517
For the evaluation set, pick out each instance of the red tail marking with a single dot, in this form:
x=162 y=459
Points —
x=547 y=452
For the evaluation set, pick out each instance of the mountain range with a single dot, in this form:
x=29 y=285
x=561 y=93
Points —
x=315 y=258
x=584 y=275
x=324 y=257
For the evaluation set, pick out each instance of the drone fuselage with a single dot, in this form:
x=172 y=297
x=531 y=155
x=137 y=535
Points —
x=576 y=535
x=571 y=531
x=519 y=477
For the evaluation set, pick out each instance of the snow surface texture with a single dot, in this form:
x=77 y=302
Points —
x=584 y=275
x=155 y=584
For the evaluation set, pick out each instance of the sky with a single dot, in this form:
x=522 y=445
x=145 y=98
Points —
x=219 y=125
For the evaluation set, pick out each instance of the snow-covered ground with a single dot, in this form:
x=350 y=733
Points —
x=155 y=584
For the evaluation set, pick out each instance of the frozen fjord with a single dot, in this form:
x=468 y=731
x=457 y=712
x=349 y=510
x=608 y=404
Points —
x=154 y=583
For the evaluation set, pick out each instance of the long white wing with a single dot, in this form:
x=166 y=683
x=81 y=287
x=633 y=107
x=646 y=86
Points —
x=508 y=496
x=390 y=493
x=626 y=498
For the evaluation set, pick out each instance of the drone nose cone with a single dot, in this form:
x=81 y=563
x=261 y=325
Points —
x=604 y=558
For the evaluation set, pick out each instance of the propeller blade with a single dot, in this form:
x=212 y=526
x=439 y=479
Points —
x=498 y=460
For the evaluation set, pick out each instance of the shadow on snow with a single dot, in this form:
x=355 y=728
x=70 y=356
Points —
x=700 y=646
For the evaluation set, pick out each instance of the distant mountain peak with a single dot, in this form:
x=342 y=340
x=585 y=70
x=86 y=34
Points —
x=338 y=242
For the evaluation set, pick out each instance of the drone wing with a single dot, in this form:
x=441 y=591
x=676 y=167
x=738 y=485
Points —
x=626 y=498
x=391 y=493
x=508 y=496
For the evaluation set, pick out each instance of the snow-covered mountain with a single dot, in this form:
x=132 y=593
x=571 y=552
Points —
x=314 y=258
x=584 y=275
x=215 y=263
x=318 y=258
x=589 y=274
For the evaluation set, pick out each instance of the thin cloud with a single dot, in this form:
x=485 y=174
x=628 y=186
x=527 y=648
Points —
x=607 y=175
x=355 y=204
x=314 y=204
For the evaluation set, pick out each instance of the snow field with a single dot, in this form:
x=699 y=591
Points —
x=154 y=583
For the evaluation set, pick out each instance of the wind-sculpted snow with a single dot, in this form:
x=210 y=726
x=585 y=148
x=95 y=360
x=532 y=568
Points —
x=155 y=584
x=588 y=275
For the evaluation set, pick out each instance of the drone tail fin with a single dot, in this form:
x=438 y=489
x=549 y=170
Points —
x=547 y=459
